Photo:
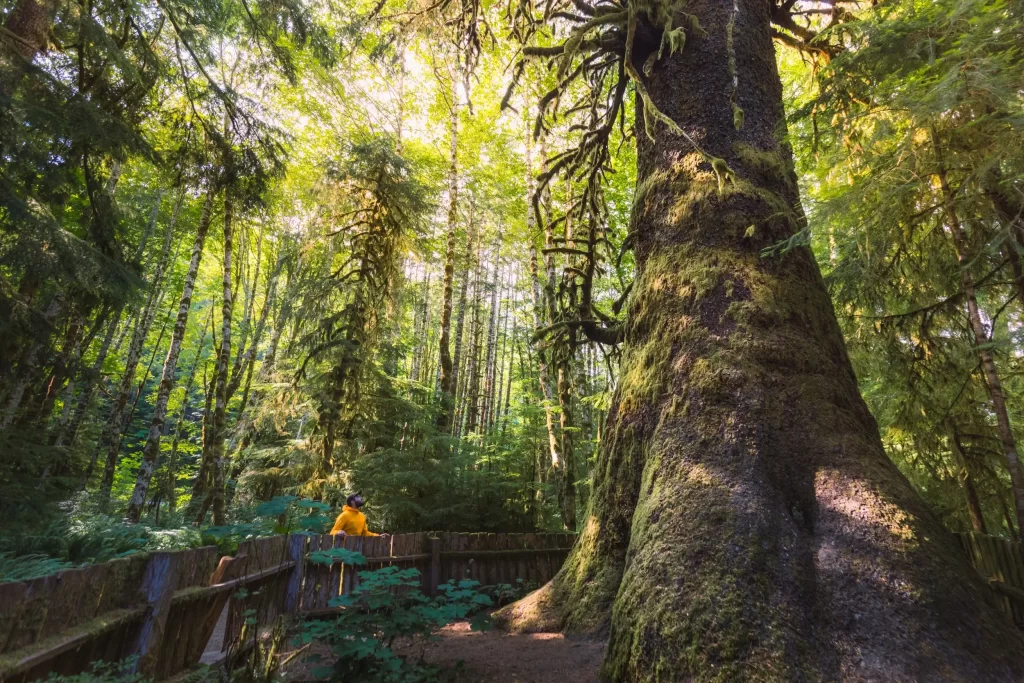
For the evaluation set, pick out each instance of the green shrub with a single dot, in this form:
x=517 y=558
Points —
x=279 y=515
x=386 y=606
x=20 y=568
x=103 y=672
x=83 y=540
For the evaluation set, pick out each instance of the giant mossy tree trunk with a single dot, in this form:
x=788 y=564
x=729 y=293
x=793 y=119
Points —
x=746 y=523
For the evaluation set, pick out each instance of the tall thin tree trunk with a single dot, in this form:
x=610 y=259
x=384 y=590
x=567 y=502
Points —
x=151 y=450
x=172 y=457
x=448 y=385
x=982 y=339
x=220 y=419
x=458 y=376
x=492 y=339
x=247 y=429
x=500 y=361
x=513 y=340
x=67 y=434
x=249 y=308
x=420 y=330
x=201 y=484
x=110 y=441
x=567 y=469
x=563 y=358
x=540 y=321
x=474 y=377
x=248 y=358
x=967 y=482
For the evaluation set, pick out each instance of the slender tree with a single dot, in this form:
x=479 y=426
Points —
x=110 y=440
x=151 y=450
x=982 y=338
x=447 y=369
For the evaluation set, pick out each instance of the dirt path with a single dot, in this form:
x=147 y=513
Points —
x=498 y=657
x=495 y=657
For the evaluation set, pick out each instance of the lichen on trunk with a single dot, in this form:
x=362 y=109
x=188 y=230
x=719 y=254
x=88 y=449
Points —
x=746 y=523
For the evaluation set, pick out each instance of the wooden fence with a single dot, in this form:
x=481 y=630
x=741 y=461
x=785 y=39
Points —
x=1001 y=563
x=164 y=607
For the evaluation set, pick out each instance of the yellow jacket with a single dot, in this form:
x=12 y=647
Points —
x=352 y=522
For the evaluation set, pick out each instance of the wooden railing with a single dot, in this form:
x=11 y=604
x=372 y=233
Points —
x=1001 y=563
x=165 y=607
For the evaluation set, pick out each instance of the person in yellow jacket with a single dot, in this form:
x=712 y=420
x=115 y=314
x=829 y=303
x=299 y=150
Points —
x=352 y=522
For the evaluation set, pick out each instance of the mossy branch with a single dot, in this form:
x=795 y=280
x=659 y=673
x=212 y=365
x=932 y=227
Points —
x=653 y=114
x=565 y=250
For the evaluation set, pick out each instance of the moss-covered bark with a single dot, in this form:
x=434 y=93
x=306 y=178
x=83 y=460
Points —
x=746 y=523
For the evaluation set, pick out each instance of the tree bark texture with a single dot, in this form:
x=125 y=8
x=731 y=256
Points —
x=746 y=523
x=567 y=468
x=28 y=26
x=458 y=376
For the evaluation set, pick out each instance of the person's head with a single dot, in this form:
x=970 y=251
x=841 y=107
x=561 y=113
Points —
x=355 y=500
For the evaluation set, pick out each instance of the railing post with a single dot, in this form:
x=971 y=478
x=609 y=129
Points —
x=435 y=564
x=297 y=554
x=158 y=584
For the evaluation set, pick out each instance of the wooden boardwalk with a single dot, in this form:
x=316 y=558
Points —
x=174 y=610
x=1001 y=563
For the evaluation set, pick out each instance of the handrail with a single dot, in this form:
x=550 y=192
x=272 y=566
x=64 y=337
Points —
x=49 y=648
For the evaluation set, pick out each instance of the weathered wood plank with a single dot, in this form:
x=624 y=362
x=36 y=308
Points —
x=447 y=567
x=529 y=544
x=331 y=586
x=309 y=581
x=297 y=554
x=157 y=591
x=455 y=563
x=522 y=566
x=507 y=564
x=347 y=572
x=434 y=573
x=50 y=648
x=224 y=581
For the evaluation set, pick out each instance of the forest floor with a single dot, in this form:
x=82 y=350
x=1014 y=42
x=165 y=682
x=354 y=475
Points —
x=499 y=657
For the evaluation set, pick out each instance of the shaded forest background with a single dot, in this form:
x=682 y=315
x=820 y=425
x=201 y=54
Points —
x=259 y=249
